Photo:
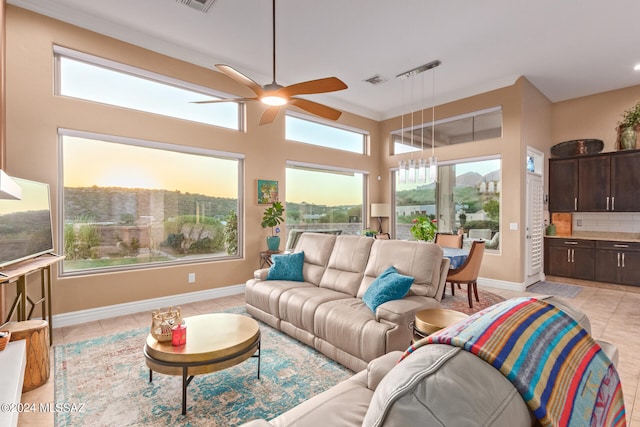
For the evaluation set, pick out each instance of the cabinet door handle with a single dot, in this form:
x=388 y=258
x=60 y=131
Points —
x=575 y=204
x=618 y=259
x=607 y=203
x=573 y=255
x=618 y=245
x=568 y=255
x=613 y=203
x=622 y=259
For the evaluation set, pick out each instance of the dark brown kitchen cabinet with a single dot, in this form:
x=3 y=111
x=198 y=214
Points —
x=563 y=185
x=618 y=262
x=625 y=182
x=570 y=258
x=607 y=182
x=593 y=184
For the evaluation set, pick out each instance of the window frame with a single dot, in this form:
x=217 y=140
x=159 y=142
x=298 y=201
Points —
x=394 y=189
x=330 y=124
x=336 y=169
x=119 y=67
x=62 y=132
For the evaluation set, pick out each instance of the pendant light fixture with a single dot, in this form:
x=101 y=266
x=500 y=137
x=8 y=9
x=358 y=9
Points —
x=411 y=170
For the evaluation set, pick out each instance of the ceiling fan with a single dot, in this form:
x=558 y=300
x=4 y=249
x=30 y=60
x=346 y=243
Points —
x=275 y=95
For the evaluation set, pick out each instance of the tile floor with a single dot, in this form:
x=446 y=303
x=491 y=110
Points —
x=614 y=312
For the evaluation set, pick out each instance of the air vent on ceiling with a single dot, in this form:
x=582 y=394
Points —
x=376 y=80
x=201 y=5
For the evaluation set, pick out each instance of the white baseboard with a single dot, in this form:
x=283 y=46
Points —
x=82 y=316
x=501 y=284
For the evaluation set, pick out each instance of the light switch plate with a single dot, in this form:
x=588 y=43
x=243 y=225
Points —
x=513 y=226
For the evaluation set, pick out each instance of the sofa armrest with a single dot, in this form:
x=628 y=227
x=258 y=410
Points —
x=403 y=310
x=380 y=366
x=261 y=274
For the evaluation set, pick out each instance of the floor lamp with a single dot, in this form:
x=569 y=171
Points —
x=380 y=210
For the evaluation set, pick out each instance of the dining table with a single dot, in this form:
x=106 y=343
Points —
x=457 y=256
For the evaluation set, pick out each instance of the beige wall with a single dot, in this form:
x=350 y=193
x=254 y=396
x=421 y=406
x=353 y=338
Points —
x=509 y=146
x=34 y=114
x=593 y=116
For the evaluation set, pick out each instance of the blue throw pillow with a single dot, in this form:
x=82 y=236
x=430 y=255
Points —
x=388 y=286
x=287 y=267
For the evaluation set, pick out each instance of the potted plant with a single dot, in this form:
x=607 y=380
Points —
x=424 y=228
x=628 y=128
x=272 y=218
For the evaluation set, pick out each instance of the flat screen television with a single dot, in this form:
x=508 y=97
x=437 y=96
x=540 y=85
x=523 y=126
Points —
x=25 y=224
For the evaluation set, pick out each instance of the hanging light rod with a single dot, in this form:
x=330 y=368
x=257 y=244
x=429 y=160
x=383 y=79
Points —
x=418 y=70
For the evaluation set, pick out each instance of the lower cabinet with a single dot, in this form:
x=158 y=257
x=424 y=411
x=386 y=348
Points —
x=618 y=262
x=570 y=258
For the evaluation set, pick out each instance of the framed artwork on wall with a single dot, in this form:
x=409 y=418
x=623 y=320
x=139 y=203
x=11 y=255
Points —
x=267 y=192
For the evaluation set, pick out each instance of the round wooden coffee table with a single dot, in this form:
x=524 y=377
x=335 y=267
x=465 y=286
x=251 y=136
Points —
x=433 y=319
x=214 y=342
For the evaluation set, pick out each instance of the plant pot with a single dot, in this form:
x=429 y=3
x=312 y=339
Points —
x=628 y=139
x=273 y=243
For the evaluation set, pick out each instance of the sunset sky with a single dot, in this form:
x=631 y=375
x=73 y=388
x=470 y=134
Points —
x=88 y=162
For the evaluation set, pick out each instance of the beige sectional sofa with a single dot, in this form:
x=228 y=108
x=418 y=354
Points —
x=326 y=310
x=439 y=385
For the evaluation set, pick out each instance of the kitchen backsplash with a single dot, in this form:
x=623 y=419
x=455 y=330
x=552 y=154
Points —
x=619 y=222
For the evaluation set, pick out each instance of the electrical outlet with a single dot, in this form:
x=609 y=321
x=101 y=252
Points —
x=513 y=226
x=192 y=277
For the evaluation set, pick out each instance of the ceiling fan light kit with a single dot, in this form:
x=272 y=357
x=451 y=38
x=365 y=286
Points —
x=275 y=95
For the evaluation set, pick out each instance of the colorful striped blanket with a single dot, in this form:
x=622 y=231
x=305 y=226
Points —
x=560 y=371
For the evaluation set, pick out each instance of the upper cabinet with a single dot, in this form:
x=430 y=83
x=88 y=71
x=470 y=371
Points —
x=601 y=183
x=563 y=185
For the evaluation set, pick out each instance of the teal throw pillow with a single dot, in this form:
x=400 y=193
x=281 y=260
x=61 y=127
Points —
x=388 y=286
x=287 y=267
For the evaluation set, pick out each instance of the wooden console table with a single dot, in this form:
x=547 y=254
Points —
x=18 y=273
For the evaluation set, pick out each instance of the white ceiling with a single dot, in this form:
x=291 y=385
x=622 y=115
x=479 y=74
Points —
x=566 y=48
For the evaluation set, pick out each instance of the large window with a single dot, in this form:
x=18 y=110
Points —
x=313 y=131
x=96 y=79
x=475 y=126
x=466 y=196
x=130 y=203
x=324 y=198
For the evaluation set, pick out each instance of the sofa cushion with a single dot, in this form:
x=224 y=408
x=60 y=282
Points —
x=287 y=267
x=416 y=259
x=389 y=286
x=265 y=295
x=349 y=325
x=347 y=263
x=317 y=248
x=298 y=305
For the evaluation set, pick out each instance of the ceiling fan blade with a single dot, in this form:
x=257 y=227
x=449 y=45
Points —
x=240 y=78
x=315 y=108
x=269 y=115
x=328 y=84
x=212 y=101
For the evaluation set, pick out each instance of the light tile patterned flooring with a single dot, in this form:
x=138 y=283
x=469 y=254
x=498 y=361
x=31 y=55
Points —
x=614 y=312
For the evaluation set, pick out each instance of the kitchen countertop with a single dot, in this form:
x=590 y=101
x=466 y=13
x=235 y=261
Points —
x=596 y=235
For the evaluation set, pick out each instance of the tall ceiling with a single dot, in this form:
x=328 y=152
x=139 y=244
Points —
x=566 y=48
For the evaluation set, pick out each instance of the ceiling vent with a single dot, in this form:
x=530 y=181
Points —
x=376 y=80
x=201 y=5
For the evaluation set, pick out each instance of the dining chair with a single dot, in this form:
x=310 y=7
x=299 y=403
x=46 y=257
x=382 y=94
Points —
x=468 y=272
x=449 y=240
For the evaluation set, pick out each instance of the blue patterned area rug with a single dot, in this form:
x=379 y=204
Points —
x=554 y=288
x=108 y=381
